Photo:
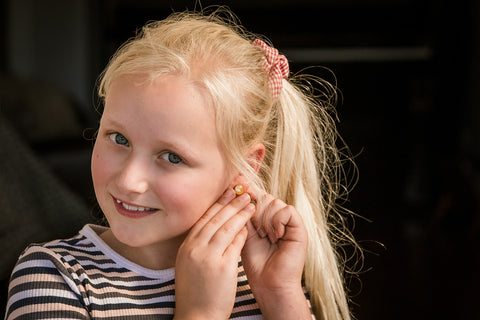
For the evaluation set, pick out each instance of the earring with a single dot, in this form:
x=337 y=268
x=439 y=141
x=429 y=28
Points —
x=239 y=190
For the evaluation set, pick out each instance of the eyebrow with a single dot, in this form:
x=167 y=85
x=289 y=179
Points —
x=111 y=122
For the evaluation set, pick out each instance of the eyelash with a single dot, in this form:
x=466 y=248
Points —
x=167 y=156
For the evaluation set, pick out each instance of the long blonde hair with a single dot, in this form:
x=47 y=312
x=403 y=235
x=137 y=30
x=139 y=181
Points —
x=302 y=163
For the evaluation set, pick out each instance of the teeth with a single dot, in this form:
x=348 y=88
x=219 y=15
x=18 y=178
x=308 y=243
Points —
x=134 y=208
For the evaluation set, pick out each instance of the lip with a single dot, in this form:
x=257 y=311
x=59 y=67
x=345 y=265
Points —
x=130 y=213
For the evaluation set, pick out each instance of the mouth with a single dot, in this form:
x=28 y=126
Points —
x=134 y=208
x=132 y=211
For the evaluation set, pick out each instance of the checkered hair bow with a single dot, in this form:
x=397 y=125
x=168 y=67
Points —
x=275 y=65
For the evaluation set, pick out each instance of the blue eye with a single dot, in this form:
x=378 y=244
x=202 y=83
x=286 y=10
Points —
x=119 y=139
x=171 y=157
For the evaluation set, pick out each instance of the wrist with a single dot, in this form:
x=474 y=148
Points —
x=284 y=304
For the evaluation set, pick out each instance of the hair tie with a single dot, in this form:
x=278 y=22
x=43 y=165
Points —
x=275 y=65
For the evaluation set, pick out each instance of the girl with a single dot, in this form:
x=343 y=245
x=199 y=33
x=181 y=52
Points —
x=194 y=106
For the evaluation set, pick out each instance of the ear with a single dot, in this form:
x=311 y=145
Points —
x=255 y=155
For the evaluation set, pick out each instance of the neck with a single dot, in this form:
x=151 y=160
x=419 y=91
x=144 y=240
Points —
x=157 y=256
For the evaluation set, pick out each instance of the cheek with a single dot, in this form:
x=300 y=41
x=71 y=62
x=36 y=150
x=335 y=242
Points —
x=193 y=195
x=100 y=166
x=183 y=195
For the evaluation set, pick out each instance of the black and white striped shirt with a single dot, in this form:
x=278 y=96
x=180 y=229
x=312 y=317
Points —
x=83 y=278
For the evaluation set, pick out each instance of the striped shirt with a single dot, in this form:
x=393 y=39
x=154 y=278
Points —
x=83 y=278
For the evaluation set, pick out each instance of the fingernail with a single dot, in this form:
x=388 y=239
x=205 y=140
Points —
x=245 y=197
x=251 y=207
x=272 y=238
x=229 y=193
x=261 y=233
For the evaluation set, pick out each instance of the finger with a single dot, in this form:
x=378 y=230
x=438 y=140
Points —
x=288 y=225
x=266 y=209
x=234 y=249
x=222 y=216
x=226 y=198
x=252 y=231
x=262 y=202
x=269 y=219
x=283 y=219
x=226 y=234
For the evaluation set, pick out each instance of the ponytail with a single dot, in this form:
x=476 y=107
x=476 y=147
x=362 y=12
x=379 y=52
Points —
x=303 y=172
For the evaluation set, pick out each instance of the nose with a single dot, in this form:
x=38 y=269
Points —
x=133 y=178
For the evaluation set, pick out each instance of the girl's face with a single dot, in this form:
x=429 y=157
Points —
x=157 y=165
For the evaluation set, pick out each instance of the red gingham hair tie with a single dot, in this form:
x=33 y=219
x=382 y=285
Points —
x=275 y=65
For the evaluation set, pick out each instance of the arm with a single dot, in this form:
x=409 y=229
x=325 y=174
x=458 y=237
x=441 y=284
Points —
x=287 y=304
x=274 y=257
x=38 y=290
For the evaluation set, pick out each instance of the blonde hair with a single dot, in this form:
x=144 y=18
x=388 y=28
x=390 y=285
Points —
x=302 y=163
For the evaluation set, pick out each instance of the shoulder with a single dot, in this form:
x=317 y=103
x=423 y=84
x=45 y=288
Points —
x=43 y=277
x=64 y=257
x=54 y=253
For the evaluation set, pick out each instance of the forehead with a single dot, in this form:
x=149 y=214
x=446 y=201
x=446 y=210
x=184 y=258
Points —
x=166 y=106
x=160 y=96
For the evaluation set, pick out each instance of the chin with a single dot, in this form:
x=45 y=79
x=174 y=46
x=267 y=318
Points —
x=131 y=237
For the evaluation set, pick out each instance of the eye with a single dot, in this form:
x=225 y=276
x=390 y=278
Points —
x=171 y=157
x=119 y=139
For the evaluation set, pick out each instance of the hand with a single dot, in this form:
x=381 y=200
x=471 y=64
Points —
x=274 y=256
x=207 y=261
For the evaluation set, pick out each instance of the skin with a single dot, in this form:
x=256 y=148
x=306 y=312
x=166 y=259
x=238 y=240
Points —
x=157 y=150
x=141 y=127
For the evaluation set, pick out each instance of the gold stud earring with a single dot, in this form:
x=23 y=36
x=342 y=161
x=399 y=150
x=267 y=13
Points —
x=239 y=189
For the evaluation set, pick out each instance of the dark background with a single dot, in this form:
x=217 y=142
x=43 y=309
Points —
x=409 y=73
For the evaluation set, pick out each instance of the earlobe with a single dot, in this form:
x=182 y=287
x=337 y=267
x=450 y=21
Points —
x=255 y=156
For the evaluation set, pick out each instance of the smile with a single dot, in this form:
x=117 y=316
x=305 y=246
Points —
x=131 y=211
x=134 y=208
